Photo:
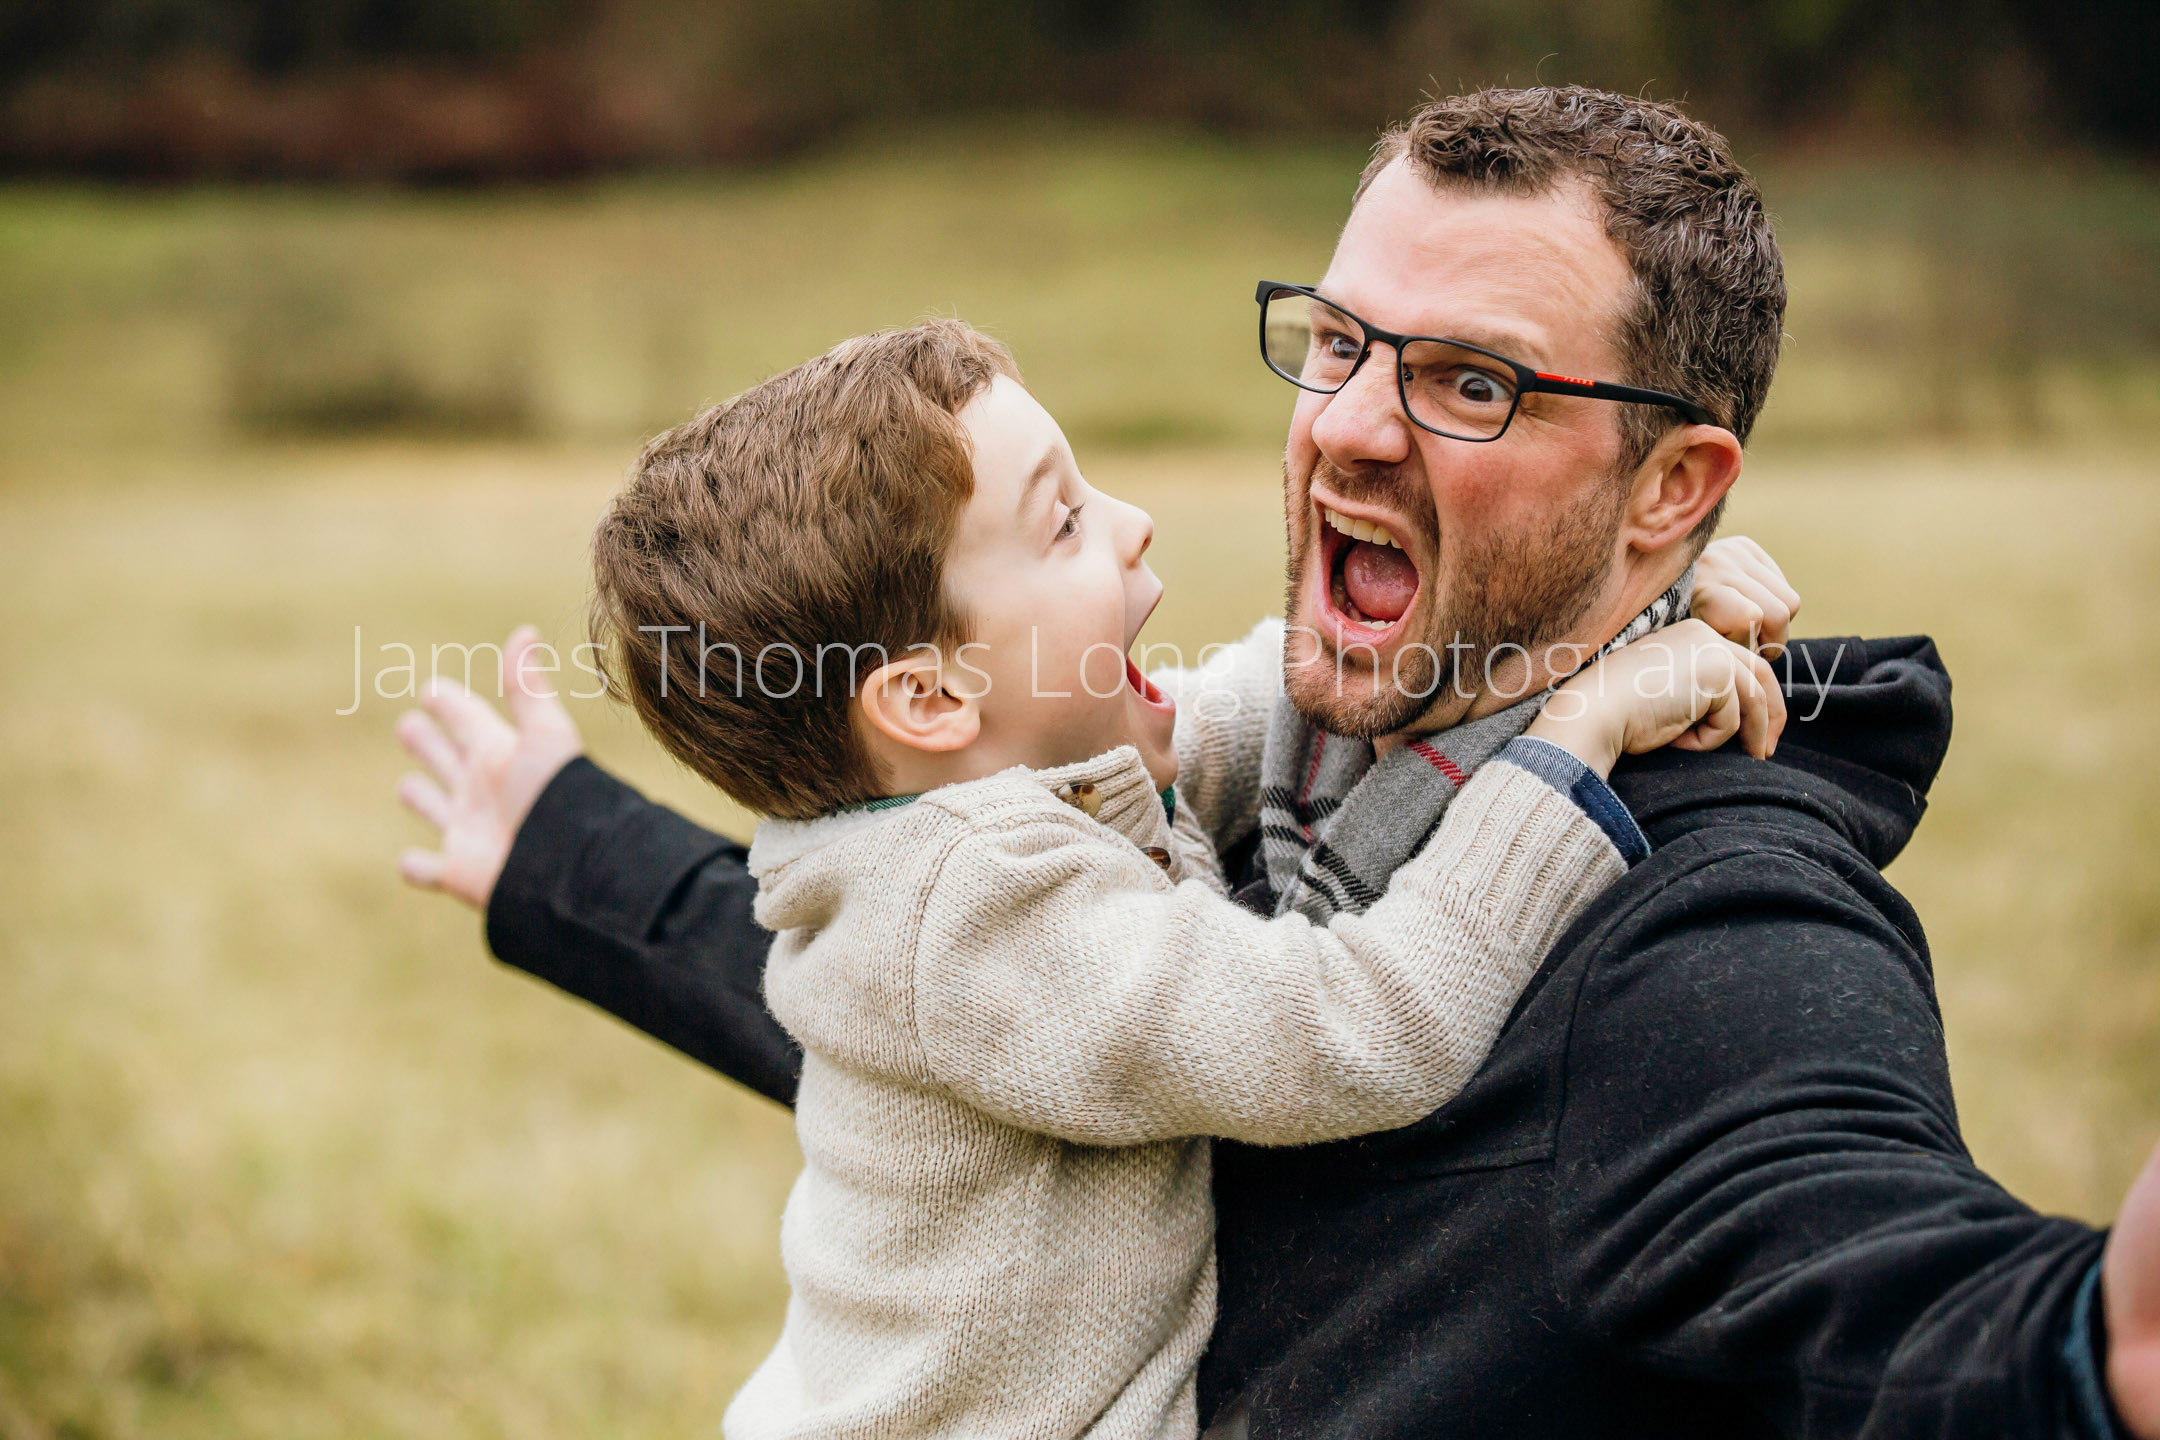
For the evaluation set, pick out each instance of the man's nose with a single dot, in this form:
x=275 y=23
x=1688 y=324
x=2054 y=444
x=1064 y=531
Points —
x=1363 y=423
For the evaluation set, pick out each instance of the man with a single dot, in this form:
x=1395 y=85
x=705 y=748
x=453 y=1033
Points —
x=1710 y=1181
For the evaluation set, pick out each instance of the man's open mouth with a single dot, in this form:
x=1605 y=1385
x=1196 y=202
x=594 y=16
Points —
x=1371 y=581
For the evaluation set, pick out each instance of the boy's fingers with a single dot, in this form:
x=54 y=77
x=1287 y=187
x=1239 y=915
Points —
x=1678 y=641
x=1715 y=727
x=1735 y=555
x=425 y=799
x=1723 y=721
x=1729 y=612
x=1744 y=552
x=424 y=740
x=422 y=868
x=527 y=688
x=1754 y=717
x=1777 y=615
x=1759 y=706
x=506 y=662
x=1769 y=574
x=470 y=720
x=1715 y=676
x=1773 y=701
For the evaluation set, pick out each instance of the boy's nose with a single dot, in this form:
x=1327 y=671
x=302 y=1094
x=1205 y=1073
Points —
x=1137 y=531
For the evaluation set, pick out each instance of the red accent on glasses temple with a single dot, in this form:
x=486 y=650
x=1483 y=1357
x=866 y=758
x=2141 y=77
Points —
x=1565 y=379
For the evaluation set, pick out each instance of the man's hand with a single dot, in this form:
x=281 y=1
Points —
x=1741 y=594
x=2130 y=1295
x=1685 y=685
x=487 y=775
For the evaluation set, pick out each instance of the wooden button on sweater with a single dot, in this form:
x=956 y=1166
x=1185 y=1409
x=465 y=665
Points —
x=1084 y=797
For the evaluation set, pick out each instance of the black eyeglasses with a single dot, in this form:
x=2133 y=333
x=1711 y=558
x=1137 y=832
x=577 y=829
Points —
x=1449 y=387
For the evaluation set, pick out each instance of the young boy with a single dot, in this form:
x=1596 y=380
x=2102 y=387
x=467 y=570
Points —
x=874 y=599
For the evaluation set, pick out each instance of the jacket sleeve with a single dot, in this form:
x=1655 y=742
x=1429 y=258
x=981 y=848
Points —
x=1062 y=985
x=1759 y=1178
x=627 y=905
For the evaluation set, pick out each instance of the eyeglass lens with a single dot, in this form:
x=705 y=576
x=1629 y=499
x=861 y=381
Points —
x=1451 y=389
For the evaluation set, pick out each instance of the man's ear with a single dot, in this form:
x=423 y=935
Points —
x=1687 y=474
x=908 y=703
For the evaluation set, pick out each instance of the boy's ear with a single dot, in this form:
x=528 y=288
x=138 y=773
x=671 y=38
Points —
x=908 y=702
x=1688 y=472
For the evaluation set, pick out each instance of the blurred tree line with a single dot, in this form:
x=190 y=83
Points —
x=470 y=89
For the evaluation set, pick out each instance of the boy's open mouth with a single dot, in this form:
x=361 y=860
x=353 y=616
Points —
x=1141 y=685
x=1371 y=580
x=1144 y=687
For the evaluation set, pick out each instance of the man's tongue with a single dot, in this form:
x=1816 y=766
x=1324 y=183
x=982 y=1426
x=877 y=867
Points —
x=1379 y=579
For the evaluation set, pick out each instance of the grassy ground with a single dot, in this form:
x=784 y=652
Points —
x=1953 y=298
x=282 y=1154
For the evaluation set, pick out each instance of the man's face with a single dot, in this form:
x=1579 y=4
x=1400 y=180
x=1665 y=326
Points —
x=1512 y=542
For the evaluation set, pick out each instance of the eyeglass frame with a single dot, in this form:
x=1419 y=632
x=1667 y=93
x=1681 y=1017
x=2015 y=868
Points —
x=1527 y=380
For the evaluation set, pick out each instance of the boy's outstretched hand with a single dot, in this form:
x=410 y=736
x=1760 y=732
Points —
x=486 y=773
x=1685 y=685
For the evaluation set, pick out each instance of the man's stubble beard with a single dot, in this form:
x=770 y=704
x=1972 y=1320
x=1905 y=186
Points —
x=1521 y=590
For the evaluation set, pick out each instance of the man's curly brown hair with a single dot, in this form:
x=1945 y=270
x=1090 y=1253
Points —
x=1707 y=315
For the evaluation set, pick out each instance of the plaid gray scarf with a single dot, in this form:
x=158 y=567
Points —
x=1334 y=825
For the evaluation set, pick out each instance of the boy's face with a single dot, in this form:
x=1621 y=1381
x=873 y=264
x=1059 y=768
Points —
x=1051 y=577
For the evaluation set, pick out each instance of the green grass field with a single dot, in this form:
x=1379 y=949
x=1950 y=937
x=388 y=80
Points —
x=283 y=1154
x=1949 y=298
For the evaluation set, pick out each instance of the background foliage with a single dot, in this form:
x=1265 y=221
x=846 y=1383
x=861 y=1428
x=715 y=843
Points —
x=467 y=88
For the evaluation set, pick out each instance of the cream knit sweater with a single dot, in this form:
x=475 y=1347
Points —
x=1016 y=1025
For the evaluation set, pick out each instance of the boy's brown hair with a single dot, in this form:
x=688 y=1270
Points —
x=768 y=555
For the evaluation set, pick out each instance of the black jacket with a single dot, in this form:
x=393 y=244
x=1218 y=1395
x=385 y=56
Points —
x=1710 y=1181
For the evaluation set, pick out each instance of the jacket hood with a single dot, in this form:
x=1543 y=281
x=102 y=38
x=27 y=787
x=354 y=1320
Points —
x=1868 y=723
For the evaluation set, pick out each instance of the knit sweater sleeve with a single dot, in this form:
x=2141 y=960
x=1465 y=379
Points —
x=1065 y=986
x=1223 y=705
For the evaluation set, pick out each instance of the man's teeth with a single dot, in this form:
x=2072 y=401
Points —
x=1358 y=529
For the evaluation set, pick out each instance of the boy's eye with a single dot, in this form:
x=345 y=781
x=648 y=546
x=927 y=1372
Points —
x=1071 y=527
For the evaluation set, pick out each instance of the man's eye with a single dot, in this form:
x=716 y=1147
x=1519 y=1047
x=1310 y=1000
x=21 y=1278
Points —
x=1071 y=527
x=1338 y=346
x=1479 y=388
